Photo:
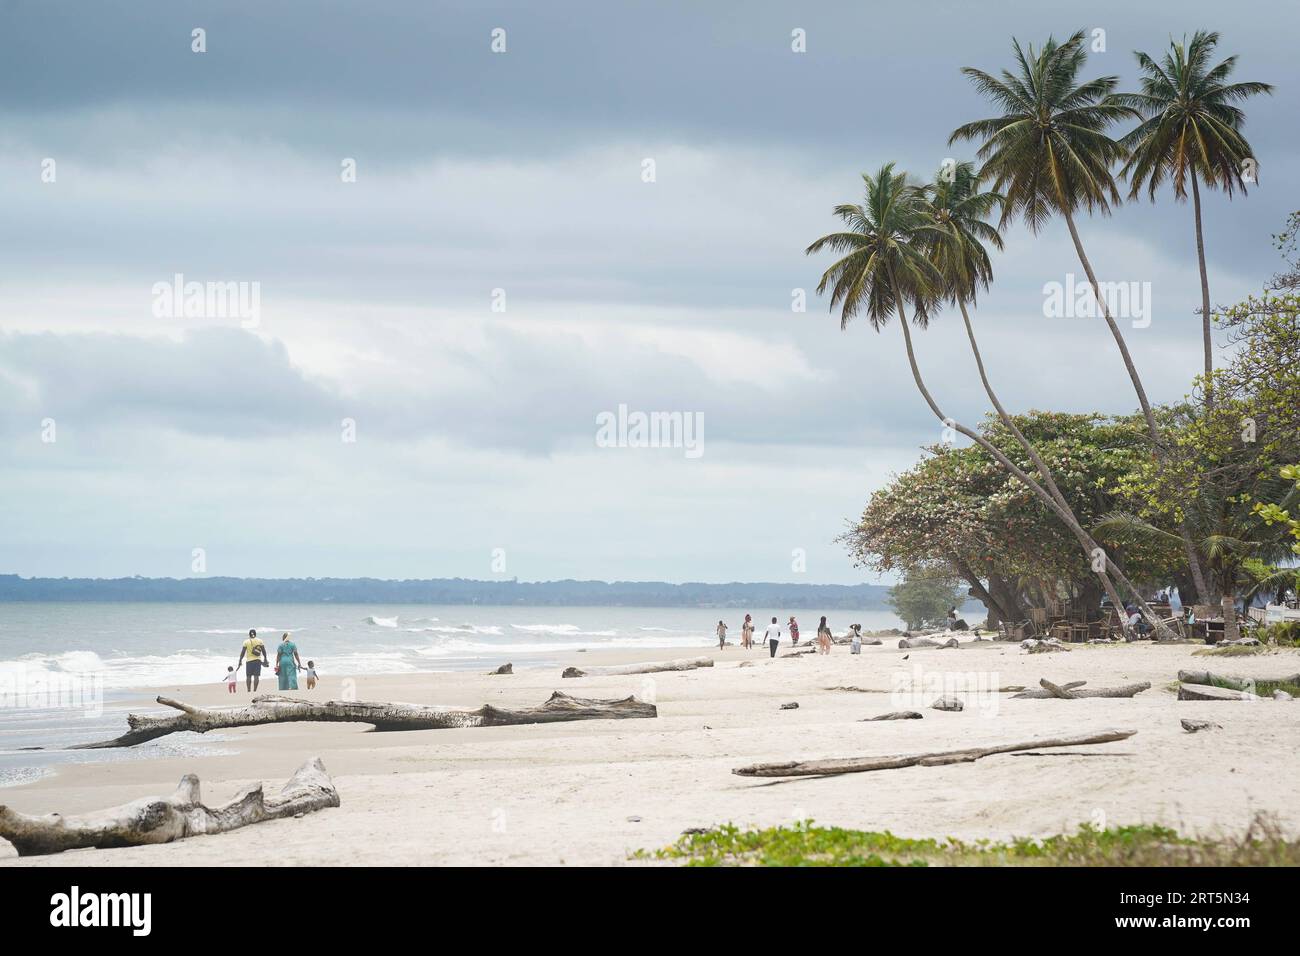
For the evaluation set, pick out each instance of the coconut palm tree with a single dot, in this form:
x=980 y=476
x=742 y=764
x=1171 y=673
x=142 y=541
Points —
x=958 y=212
x=1048 y=153
x=1191 y=131
x=885 y=267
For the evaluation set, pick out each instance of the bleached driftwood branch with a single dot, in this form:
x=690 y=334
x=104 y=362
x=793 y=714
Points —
x=652 y=667
x=1075 y=690
x=817 y=768
x=274 y=709
x=163 y=819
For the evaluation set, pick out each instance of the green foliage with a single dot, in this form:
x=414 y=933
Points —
x=883 y=267
x=958 y=211
x=1221 y=473
x=1048 y=152
x=806 y=844
x=923 y=599
x=1191 y=122
x=1280 y=633
x=1273 y=513
x=1236 y=650
x=958 y=507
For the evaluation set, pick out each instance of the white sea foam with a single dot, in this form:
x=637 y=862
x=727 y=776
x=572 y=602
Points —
x=262 y=630
x=466 y=648
x=562 y=630
x=382 y=621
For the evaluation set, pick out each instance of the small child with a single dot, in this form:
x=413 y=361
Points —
x=231 y=679
x=311 y=675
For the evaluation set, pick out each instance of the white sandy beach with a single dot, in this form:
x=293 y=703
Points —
x=590 y=792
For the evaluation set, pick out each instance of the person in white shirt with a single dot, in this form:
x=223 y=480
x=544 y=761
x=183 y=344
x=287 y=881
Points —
x=773 y=635
x=1136 y=625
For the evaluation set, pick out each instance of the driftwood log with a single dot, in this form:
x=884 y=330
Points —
x=1236 y=683
x=907 y=643
x=1035 y=646
x=164 y=819
x=1192 y=726
x=820 y=768
x=1210 y=692
x=858 y=690
x=895 y=715
x=273 y=709
x=652 y=667
x=1076 y=690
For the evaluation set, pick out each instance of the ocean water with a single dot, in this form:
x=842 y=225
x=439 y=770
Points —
x=64 y=668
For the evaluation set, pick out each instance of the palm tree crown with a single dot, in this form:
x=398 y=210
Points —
x=959 y=213
x=1191 y=123
x=1049 y=151
x=884 y=265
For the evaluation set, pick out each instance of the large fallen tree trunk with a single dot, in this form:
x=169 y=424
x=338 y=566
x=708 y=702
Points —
x=1210 y=692
x=652 y=667
x=819 y=768
x=273 y=709
x=1236 y=683
x=910 y=642
x=1075 y=690
x=163 y=819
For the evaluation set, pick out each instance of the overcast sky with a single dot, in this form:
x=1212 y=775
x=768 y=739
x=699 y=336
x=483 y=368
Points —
x=524 y=171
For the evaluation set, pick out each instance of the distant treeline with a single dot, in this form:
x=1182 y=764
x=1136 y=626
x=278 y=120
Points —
x=446 y=591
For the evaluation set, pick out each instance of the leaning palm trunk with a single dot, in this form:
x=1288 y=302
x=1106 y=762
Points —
x=1063 y=513
x=1205 y=296
x=1050 y=482
x=1193 y=560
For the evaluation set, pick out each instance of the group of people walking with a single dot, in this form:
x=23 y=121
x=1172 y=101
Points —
x=253 y=655
x=773 y=634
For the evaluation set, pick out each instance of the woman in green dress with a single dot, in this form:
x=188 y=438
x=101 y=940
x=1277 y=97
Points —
x=287 y=663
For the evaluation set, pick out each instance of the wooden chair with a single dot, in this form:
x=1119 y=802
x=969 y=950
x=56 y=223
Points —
x=1112 y=624
x=1175 y=624
x=1013 y=631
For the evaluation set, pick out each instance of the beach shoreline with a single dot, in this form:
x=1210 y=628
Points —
x=592 y=792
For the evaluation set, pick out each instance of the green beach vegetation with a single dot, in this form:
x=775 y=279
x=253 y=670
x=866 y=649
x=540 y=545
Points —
x=806 y=844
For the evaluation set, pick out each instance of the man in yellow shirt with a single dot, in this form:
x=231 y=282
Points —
x=256 y=652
